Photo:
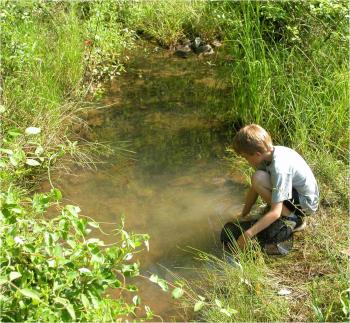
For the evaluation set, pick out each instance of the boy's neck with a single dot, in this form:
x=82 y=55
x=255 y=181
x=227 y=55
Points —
x=267 y=156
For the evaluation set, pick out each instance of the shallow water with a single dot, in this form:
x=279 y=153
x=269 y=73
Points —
x=175 y=186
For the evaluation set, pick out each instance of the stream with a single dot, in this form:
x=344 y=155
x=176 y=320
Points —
x=168 y=177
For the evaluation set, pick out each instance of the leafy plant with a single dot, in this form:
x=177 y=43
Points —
x=51 y=270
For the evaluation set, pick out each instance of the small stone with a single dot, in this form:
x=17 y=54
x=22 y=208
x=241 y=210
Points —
x=346 y=252
x=205 y=50
x=216 y=43
x=197 y=42
x=284 y=292
x=183 y=51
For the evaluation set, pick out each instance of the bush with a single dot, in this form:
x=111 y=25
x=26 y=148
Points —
x=52 y=271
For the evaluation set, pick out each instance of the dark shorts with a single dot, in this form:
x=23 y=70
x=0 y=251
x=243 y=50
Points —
x=294 y=204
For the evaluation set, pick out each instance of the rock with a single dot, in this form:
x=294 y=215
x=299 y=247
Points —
x=197 y=43
x=216 y=43
x=186 y=42
x=183 y=51
x=205 y=50
x=284 y=292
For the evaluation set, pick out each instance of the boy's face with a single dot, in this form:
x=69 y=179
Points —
x=254 y=160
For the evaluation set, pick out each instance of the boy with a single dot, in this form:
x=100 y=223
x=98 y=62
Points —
x=282 y=179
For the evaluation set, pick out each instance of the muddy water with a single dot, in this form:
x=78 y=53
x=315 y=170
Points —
x=174 y=185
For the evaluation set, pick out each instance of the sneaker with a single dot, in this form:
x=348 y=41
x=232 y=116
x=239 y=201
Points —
x=232 y=261
x=300 y=227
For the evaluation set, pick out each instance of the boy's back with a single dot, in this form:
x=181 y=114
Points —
x=289 y=170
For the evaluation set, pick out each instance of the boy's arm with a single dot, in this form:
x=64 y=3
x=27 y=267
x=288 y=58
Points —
x=249 y=201
x=270 y=217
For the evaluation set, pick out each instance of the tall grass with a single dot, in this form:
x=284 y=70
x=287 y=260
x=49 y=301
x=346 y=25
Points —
x=42 y=66
x=165 y=21
x=241 y=290
x=298 y=92
x=50 y=54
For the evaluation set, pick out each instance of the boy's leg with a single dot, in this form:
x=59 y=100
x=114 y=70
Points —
x=261 y=183
x=298 y=214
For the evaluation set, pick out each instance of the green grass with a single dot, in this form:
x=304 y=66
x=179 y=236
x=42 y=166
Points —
x=249 y=291
x=165 y=21
x=299 y=93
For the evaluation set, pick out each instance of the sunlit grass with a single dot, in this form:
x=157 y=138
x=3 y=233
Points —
x=246 y=286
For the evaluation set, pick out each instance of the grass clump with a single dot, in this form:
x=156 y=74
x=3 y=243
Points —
x=290 y=75
x=318 y=268
x=165 y=20
x=240 y=290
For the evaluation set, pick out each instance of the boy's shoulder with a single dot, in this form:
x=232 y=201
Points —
x=283 y=149
x=284 y=157
x=284 y=153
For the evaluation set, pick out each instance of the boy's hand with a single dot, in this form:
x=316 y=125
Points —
x=243 y=240
x=236 y=215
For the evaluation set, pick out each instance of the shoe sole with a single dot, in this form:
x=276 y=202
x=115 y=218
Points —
x=301 y=227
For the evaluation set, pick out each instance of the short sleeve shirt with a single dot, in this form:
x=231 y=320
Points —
x=289 y=170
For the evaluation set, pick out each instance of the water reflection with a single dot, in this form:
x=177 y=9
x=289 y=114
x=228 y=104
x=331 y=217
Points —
x=176 y=186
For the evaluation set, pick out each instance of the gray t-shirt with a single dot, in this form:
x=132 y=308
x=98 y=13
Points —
x=289 y=170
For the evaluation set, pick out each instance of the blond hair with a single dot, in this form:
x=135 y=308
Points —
x=251 y=139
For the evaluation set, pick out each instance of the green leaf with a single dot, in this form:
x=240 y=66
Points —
x=30 y=293
x=161 y=282
x=93 y=224
x=153 y=278
x=56 y=194
x=136 y=300
x=97 y=258
x=6 y=151
x=95 y=241
x=85 y=271
x=14 y=132
x=177 y=292
x=198 y=306
x=146 y=242
x=131 y=288
x=3 y=280
x=73 y=210
x=39 y=150
x=51 y=263
x=130 y=270
x=32 y=131
x=67 y=305
x=224 y=311
x=149 y=313
x=14 y=275
x=13 y=160
x=94 y=300
x=218 y=303
x=163 y=285
x=85 y=300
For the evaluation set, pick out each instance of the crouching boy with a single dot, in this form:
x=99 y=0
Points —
x=282 y=179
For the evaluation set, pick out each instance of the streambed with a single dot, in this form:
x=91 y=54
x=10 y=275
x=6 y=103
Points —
x=168 y=177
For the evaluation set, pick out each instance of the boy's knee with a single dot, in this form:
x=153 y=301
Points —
x=260 y=178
